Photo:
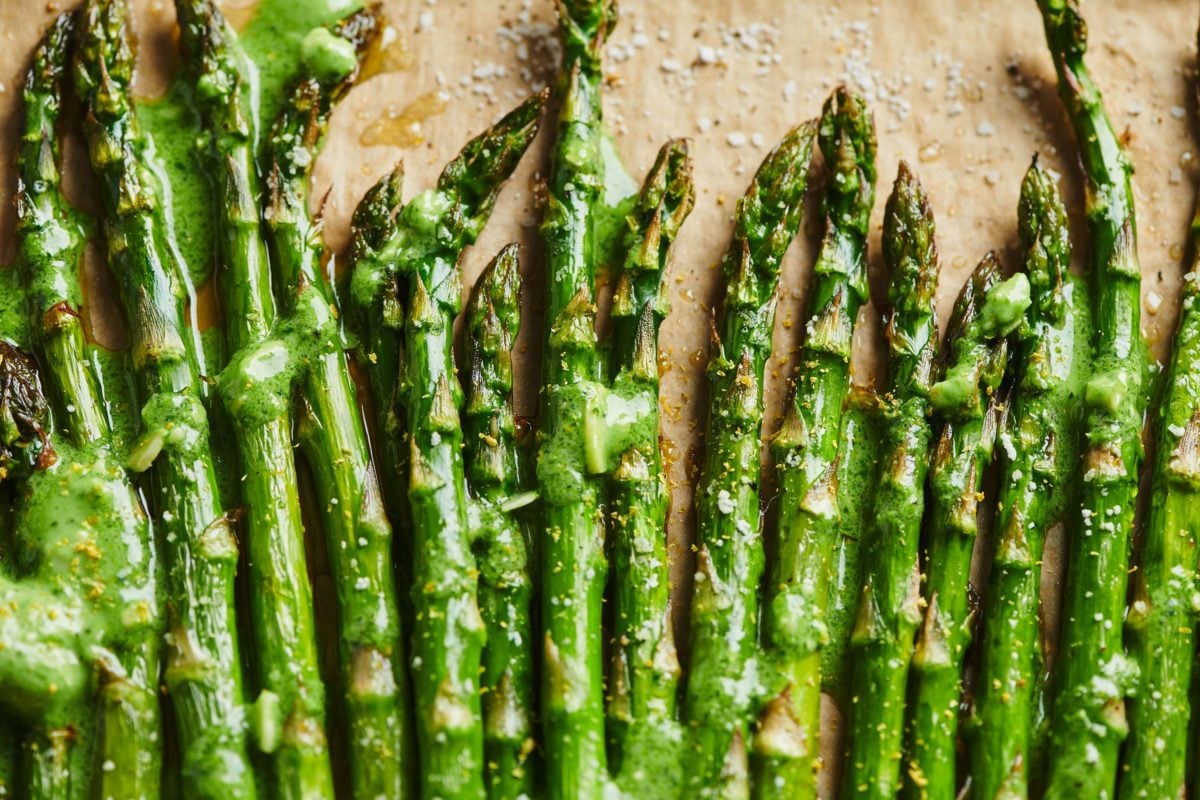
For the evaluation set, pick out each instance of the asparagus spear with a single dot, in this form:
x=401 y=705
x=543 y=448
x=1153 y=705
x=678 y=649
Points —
x=203 y=672
x=52 y=237
x=331 y=431
x=644 y=678
x=858 y=457
x=1039 y=445
x=494 y=477
x=574 y=569
x=724 y=674
x=291 y=694
x=41 y=628
x=448 y=633
x=969 y=405
x=806 y=450
x=1160 y=624
x=40 y=665
x=420 y=247
x=888 y=608
x=1093 y=673
x=385 y=246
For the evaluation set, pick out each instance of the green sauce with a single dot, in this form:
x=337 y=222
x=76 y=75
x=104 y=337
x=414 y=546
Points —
x=13 y=324
x=620 y=193
x=173 y=126
x=326 y=55
x=273 y=42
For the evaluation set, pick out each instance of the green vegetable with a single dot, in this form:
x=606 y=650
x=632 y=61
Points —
x=643 y=727
x=371 y=665
x=969 y=405
x=858 y=458
x=203 y=670
x=889 y=603
x=725 y=667
x=574 y=568
x=419 y=249
x=787 y=743
x=494 y=474
x=1093 y=675
x=282 y=624
x=52 y=237
x=1160 y=624
x=1039 y=450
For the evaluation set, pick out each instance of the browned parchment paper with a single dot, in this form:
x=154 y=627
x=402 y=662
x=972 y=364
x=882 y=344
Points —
x=964 y=91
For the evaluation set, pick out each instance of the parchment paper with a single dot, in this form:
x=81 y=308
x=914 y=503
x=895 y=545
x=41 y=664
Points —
x=963 y=91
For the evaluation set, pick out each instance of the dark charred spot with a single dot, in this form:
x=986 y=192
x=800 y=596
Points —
x=24 y=444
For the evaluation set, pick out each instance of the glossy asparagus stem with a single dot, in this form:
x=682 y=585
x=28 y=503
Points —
x=290 y=709
x=968 y=404
x=52 y=238
x=888 y=607
x=418 y=250
x=1160 y=624
x=644 y=676
x=371 y=666
x=858 y=459
x=574 y=568
x=1092 y=674
x=787 y=743
x=1039 y=451
x=724 y=672
x=492 y=456
x=203 y=671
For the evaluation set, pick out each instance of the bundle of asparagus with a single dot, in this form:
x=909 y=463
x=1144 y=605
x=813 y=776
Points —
x=515 y=638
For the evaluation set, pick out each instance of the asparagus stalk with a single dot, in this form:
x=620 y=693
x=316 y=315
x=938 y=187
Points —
x=888 y=608
x=1039 y=449
x=574 y=568
x=52 y=237
x=41 y=628
x=858 y=457
x=373 y=680
x=493 y=474
x=1093 y=673
x=787 y=742
x=384 y=247
x=969 y=405
x=1160 y=624
x=290 y=709
x=420 y=248
x=437 y=226
x=448 y=634
x=725 y=668
x=203 y=672
x=644 y=677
